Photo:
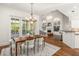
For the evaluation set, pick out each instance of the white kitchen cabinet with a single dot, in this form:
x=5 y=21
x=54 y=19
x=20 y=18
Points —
x=69 y=39
x=76 y=40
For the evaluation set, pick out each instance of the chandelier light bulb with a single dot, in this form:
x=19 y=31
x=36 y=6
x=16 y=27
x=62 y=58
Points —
x=31 y=22
x=26 y=18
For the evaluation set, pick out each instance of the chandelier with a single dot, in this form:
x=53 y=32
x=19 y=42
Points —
x=31 y=18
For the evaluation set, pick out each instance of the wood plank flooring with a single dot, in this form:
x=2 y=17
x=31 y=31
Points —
x=65 y=50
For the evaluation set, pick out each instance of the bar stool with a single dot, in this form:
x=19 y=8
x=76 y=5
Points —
x=30 y=45
x=5 y=49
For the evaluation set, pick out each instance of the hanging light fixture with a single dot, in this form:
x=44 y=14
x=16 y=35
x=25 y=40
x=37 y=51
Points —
x=31 y=18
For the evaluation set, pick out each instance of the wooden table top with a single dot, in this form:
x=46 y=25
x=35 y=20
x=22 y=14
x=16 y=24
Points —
x=30 y=38
x=4 y=45
x=20 y=40
x=37 y=36
x=24 y=38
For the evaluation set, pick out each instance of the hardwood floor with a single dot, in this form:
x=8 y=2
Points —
x=65 y=50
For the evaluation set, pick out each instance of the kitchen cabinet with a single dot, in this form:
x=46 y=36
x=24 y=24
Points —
x=76 y=40
x=69 y=39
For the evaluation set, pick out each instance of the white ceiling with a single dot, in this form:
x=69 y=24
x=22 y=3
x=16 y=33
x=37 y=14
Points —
x=38 y=8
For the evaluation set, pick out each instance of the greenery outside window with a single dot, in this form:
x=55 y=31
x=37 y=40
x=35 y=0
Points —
x=24 y=27
x=15 y=27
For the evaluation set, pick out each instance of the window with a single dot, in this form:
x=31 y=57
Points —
x=28 y=27
x=75 y=23
x=56 y=24
x=56 y=28
x=31 y=27
x=21 y=27
x=24 y=27
x=49 y=24
x=15 y=27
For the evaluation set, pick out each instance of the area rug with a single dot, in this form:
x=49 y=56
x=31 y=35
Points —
x=48 y=50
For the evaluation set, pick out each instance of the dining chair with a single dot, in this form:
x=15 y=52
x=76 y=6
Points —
x=30 y=45
x=40 y=43
x=20 y=45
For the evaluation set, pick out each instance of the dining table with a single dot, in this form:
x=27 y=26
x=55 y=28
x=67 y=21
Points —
x=3 y=46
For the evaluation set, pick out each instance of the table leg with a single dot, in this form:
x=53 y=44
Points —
x=38 y=45
x=34 y=45
x=16 y=49
x=11 y=49
x=20 y=50
x=27 y=48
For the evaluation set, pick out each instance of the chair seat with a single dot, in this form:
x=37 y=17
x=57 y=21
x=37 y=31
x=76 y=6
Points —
x=30 y=43
x=40 y=40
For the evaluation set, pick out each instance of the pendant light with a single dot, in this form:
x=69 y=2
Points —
x=31 y=18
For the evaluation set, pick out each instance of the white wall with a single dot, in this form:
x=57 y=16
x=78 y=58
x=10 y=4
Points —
x=66 y=23
x=37 y=25
x=73 y=16
x=5 y=15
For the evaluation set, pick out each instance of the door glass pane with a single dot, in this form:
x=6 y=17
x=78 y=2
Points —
x=30 y=27
x=15 y=27
x=24 y=27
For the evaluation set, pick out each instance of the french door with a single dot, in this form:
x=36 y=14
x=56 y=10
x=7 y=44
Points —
x=20 y=27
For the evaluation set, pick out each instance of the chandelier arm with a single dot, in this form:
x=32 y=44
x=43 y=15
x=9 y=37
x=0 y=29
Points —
x=31 y=10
